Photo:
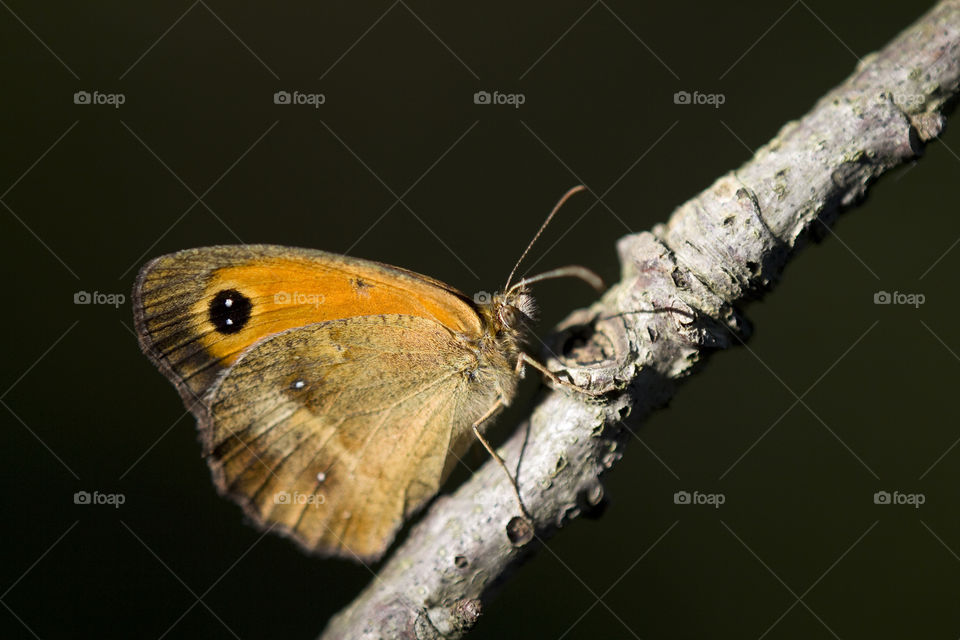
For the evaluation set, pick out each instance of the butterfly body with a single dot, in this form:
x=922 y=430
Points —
x=333 y=395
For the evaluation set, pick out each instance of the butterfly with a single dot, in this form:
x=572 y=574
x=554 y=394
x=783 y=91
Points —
x=333 y=395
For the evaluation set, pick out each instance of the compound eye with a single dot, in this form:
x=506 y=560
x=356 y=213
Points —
x=509 y=316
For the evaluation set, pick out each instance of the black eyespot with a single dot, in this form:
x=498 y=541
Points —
x=230 y=311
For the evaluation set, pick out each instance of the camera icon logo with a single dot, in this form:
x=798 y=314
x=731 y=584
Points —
x=82 y=297
x=282 y=497
x=482 y=297
x=81 y=97
x=882 y=297
x=881 y=497
x=681 y=97
x=81 y=497
x=481 y=97
x=281 y=97
x=281 y=297
x=681 y=497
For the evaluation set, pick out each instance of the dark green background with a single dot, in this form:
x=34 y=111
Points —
x=99 y=204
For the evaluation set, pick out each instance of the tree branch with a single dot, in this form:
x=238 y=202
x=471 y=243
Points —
x=677 y=301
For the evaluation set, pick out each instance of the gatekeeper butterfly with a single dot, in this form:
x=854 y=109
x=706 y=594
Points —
x=333 y=395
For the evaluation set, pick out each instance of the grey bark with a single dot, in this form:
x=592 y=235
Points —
x=678 y=300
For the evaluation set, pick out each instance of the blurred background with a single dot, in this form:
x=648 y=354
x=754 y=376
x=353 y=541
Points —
x=178 y=141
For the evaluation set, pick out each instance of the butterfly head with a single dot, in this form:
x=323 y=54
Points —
x=515 y=309
x=507 y=313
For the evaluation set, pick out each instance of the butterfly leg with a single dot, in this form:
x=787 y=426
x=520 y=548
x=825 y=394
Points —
x=493 y=454
x=496 y=406
x=525 y=359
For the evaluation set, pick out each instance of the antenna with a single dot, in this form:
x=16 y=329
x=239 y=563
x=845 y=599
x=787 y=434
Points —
x=571 y=271
x=556 y=207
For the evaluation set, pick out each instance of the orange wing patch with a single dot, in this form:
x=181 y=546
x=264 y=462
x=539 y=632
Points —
x=285 y=294
x=198 y=310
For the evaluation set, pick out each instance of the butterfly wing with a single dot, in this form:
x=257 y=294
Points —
x=197 y=311
x=335 y=432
